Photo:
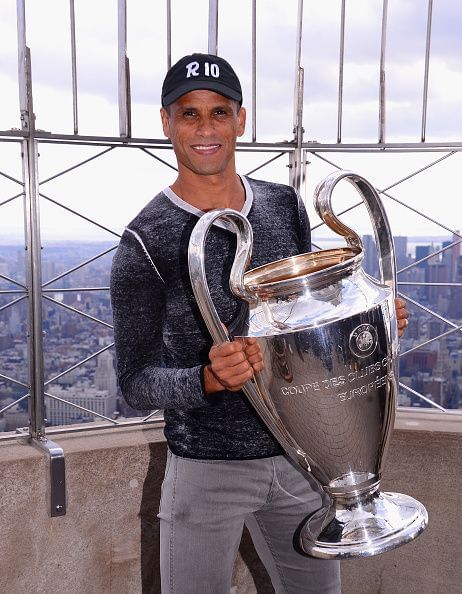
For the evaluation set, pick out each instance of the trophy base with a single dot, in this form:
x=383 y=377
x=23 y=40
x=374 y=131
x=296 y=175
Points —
x=369 y=526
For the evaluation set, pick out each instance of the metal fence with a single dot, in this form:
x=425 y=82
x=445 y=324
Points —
x=305 y=161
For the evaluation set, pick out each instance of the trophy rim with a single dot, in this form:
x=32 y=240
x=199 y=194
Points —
x=311 y=268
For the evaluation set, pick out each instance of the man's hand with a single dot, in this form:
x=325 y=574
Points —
x=401 y=315
x=232 y=364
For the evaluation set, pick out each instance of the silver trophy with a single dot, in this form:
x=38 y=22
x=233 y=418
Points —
x=328 y=390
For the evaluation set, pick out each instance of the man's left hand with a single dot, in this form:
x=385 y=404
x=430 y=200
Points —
x=402 y=315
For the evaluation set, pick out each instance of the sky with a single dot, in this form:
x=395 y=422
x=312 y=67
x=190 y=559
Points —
x=113 y=188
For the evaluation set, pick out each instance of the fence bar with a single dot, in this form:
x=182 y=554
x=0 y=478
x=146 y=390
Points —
x=77 y=311
x=298 y=55
x=13 y=381
x=382 y=73
x=74 y=67
x=11 y=280
x=22 y=78
x=296 y=156
x=213 y=27
x=11 y=199
x=414 y=284
x=340 y=73
x=422 y=397
x=13 y=179
x=124 y=72
x=75 y=290
x=15 y=402
x=33 y=267
x=84 y=162
x=33 y=261
x=427 y=64
x=265 y=163
x=93 y=412
x=169 y=34
x=74 y=268
x=79 y=364
x=414 y=173
x=145 y=150
x=78 y=214
x=311 y=146
x=430 y=312
x=3 y=307
x=430 y=340
x=254 y=70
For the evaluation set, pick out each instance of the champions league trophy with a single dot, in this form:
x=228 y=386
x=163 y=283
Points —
x=328 y=390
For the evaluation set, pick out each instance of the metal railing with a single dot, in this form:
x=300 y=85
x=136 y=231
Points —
x=294 y=153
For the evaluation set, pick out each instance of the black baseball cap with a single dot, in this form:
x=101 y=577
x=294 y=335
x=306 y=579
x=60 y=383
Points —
x=201 y=71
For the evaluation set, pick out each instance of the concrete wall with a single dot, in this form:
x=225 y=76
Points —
x=107 y=542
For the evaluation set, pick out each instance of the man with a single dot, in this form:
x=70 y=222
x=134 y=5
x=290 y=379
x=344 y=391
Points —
x=224 y=468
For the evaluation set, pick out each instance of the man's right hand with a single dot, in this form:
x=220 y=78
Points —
x=232 y=364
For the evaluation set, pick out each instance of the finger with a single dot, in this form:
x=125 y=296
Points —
x=258 y=366
x=253 y=349
x=225 y=349
x=255 y=357
x=231 y=363
x=399 y=303
x=403 y=323
x=236 y=382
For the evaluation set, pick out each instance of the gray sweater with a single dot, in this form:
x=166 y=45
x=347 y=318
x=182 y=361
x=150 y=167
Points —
x=161 y=341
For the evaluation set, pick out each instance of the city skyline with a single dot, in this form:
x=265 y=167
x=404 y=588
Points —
x=70 y=338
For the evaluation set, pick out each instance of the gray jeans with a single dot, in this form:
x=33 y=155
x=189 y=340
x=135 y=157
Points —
x=203 y=508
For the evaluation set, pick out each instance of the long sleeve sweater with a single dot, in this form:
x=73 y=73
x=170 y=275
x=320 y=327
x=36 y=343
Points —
x=162 y=342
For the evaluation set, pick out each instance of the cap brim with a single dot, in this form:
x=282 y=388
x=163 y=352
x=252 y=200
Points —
x=197 y=85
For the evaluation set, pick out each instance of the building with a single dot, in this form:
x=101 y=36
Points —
x=370 y=255
x=82 y=394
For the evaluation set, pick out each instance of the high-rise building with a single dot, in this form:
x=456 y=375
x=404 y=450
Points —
x=422 y=251
x=370 y=255
x=105 y=378
x=400 y=242
x=82 y=394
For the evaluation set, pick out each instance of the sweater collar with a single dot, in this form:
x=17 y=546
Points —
x=180 y=203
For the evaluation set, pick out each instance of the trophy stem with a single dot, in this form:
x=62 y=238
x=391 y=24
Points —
x=366 y=525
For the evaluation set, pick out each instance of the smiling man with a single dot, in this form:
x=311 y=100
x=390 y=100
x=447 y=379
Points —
x=224 y=468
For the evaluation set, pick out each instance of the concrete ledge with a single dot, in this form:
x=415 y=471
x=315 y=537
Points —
x=429 y=420
x=108 y=540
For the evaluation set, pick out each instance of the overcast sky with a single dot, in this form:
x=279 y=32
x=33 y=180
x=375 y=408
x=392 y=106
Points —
x=112 y=189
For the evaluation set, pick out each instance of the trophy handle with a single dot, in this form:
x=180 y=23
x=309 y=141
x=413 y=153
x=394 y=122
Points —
x=241 y=226
x=196 y=260
x=377 y=214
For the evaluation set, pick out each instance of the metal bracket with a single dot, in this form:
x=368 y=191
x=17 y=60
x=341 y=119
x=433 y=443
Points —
x=57 y=475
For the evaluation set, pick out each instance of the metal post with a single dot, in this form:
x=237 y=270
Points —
x=296 y=157
x=340 y=74
x=124 y=73
x=427 y=64
x=254 y=70
x=74 y=67
x=169 y=34
x=213 y=27
x=382 y=73
x=56 y=477
x=22 y=76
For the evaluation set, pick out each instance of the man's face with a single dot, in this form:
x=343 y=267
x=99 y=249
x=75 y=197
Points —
x=203 y=127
